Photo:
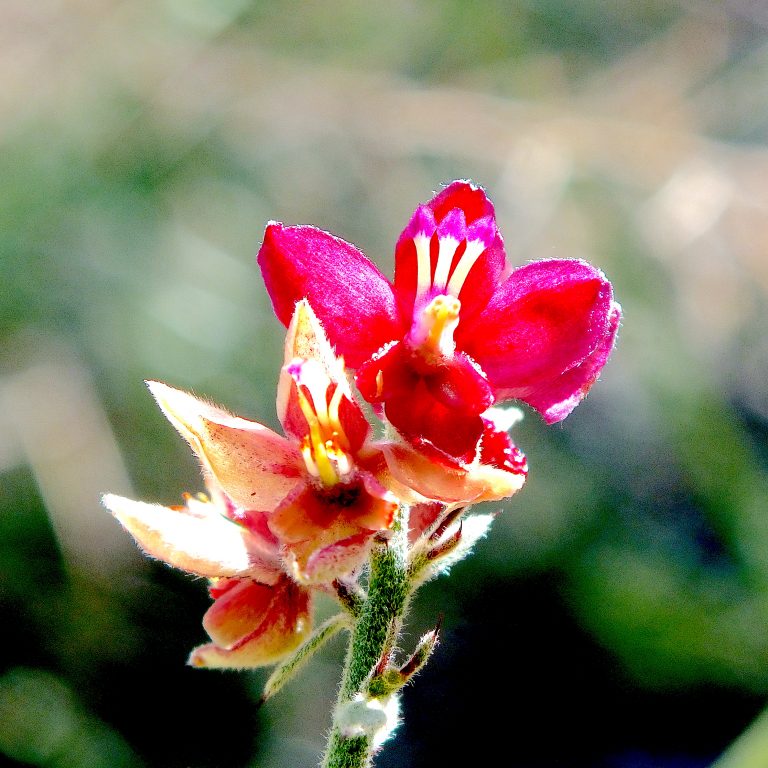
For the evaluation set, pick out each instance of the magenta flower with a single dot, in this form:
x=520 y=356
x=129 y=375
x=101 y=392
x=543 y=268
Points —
x=457 y=330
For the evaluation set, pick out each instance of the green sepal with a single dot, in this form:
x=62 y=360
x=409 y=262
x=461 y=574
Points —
x=287 y=670
x=391 y=679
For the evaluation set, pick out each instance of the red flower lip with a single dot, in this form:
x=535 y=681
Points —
x=458 y=329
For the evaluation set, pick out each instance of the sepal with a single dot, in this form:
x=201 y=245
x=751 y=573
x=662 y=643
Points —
x=393 y=679
x=429 y=562
x=196 y=538
x=287 y=670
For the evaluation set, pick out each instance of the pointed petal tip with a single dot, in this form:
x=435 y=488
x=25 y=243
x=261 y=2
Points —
x=169 y=398
x=112 y=502
x=200 y=541
x=456 y=183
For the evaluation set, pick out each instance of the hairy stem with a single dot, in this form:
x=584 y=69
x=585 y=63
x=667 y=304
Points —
x=375 y=634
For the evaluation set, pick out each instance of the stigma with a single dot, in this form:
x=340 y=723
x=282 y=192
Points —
x=433 y=327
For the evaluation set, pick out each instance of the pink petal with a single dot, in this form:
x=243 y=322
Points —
x=203 y=543
x=315 y=520
x=474 y=484
x=305 y=340
x=303 y=515
x=544 y=320
x=254 y=466
x=422 y=516
x=322 y=515
x=284 y=627
x=238 y=612
x=353 y=300
x=558 y=398
x=338 y=559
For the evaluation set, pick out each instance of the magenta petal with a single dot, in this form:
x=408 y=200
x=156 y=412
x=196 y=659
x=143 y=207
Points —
x=465 y=195
x=483 y=278
x=453 y=225
x=422 y=223
x=349 y=295
x=461 y=211
x=498 y=450
x=558 y=398
x=459 y=385
x=547 y=318
x=387 y=375
x=483 y=230
x=448 y=435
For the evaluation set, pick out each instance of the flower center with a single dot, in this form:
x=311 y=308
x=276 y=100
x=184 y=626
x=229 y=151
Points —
x=325 y=446
x=433 y=327
x=434 y=324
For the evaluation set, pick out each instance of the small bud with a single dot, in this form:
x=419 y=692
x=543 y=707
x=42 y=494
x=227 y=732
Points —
x=447 y=545
x=420 y=657
x=446 y=522
x=350 y=595
x=386 y=683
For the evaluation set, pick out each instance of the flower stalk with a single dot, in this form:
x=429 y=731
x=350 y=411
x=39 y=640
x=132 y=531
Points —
x=373 y=639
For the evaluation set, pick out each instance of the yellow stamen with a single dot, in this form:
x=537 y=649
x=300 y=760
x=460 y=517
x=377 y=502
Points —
x=325 y=448
x=315 y=451
x=334 y=422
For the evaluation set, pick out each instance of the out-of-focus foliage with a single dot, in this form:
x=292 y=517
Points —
x=144 y=145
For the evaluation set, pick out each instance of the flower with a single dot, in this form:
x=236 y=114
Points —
x=317 y=486
x=259 y=614
x=458 y=330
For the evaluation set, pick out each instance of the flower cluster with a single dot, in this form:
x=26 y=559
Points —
x=434 y=353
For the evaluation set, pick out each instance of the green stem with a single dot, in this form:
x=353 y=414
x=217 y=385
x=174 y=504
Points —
x=375 y=633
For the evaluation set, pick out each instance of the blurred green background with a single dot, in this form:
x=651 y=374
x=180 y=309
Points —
x=617 y=617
